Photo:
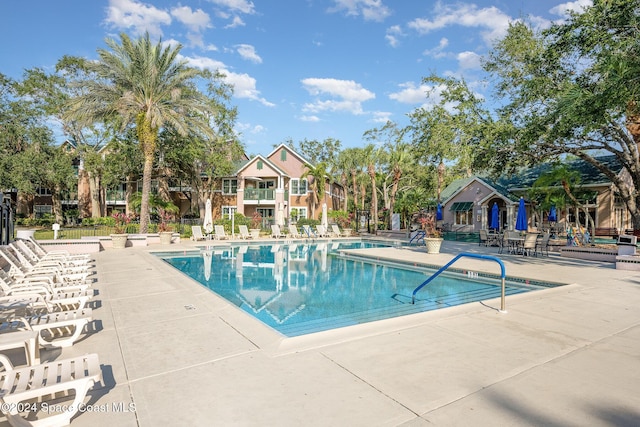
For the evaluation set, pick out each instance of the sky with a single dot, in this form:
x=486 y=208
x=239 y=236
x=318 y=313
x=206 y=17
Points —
x=301 y=69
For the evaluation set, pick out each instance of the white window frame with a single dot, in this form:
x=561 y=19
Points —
x=228 y=187
x=302 y=211
x=297 y=182
x=227 y=210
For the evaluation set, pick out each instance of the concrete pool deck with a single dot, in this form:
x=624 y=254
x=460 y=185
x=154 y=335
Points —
x=184 y=357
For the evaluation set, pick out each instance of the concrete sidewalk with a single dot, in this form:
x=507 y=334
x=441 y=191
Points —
x=181 y=356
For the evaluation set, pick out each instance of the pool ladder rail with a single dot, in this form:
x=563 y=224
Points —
x=468 y=255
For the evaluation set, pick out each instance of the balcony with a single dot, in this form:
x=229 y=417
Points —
x=259 y=194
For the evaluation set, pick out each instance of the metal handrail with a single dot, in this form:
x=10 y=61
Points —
x=503 y=275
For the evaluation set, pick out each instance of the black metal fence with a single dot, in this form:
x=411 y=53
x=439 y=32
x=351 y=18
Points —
x=6 y=220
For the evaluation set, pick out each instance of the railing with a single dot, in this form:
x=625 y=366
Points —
x=467 y=255
x=259 y=194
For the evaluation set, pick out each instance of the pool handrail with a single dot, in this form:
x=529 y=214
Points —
x=503 y=274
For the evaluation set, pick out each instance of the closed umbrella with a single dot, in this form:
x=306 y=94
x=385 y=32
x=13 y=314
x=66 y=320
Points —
x=439 y=212
x=280 y=216
x=495 y=221
x=207 y=225
x=553 y=216
x=521 y=219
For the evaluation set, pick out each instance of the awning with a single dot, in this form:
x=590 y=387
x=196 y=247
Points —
x=461 y=206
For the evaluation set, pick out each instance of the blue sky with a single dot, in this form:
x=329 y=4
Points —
x=312 y=69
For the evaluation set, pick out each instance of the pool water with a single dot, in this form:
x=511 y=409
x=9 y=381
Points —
x=299 y=289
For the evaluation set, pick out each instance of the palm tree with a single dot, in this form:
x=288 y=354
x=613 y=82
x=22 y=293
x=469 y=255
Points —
x=370 y=156
x=147 y=86
x=318 y=173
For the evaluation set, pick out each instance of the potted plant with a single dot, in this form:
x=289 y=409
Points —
x=119 y=236
x=164 y=228
x=433 y=236
x=256 y=224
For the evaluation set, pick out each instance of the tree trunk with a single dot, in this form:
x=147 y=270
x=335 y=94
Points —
x=94 y=190
x=374 y=198
x=56 y=203
x=147 y=135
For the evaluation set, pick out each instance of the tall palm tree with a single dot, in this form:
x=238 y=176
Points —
x=145 y=85
x=370 y=155
x=318 y=173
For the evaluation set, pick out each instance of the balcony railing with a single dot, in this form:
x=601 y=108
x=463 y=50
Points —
x=259 y=194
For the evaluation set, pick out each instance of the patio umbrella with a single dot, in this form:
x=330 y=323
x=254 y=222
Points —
x=439 y=212
x=521 y=219
x=495 y=221
x=325 y=220
x=280 y=216
x=553 y=216
x=207 y=225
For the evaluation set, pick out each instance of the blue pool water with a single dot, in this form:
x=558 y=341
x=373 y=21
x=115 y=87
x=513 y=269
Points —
x=305 y=288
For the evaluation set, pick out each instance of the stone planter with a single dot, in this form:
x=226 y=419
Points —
x=119 y=241
x=255 y=232
x=347 y=232
x=433 y=244
x=166 y=237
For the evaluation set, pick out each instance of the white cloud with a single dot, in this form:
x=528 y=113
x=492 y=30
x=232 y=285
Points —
x=393 y=34
x=241 y=6
x=411 y=93
x=350 y=95
x=248 y=52
x=244 y=86
x=469 y=60
x=492 y=19
x=438 y=51
x=137 y=17
x=312 y=119
x=573 y=6
x=371 y=10
x=236 y=22
x=195 y=21
x=381 y=116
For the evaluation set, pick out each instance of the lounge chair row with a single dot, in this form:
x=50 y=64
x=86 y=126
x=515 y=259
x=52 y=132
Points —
x=276 y=232
x=43 y=303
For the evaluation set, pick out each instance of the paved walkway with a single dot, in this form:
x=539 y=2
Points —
x=181 y=356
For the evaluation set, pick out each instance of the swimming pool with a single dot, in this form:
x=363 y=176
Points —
x=299 y=289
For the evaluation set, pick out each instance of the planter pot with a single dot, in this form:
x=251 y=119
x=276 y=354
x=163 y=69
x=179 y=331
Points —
x=255 y=232
x=165 y=237
x=119 y=241
x=433 y=244
x=347 y=232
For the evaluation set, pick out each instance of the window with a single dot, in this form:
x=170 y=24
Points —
x=283 y=155
x=259 y=165
x=298 y=187
x=228 y=211
x=229 y=186
x=301 y=212
x=43 y=191
x=463 y=217
x=266 y=212
x=267 y=184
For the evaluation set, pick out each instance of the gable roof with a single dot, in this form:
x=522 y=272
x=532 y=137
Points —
x=278 y=170
x=292 y=151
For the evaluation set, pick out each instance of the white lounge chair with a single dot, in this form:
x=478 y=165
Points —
x=196 y=233
x=275 y=231
x=62 y=266
x=59 y=329
x=21 y=270
x=244 y=232
x=37 y=284
x=337 y=231
x=220 y=234
x=322 y=231
x=39 y=254
x=47 y=381
x=293 y=232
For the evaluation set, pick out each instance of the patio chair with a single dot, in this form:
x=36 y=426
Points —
x=59 y=329
x=336 y=230
x=293 y=231
x=220 y=234
x=543 y=244
x=38 y=252
x=23 y=304
x=275 y=231
x=196 y=233
x=47 y=381
x=530 y=244
x=244 y=232
x=483 y=238
x=322 y=231
x=20 y=270
x=26 y=259
x=36 y=284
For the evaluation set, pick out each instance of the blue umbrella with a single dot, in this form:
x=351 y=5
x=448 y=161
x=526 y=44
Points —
x=439 y=212
x=495 y=222
x=521 y=219
x=553 y=217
